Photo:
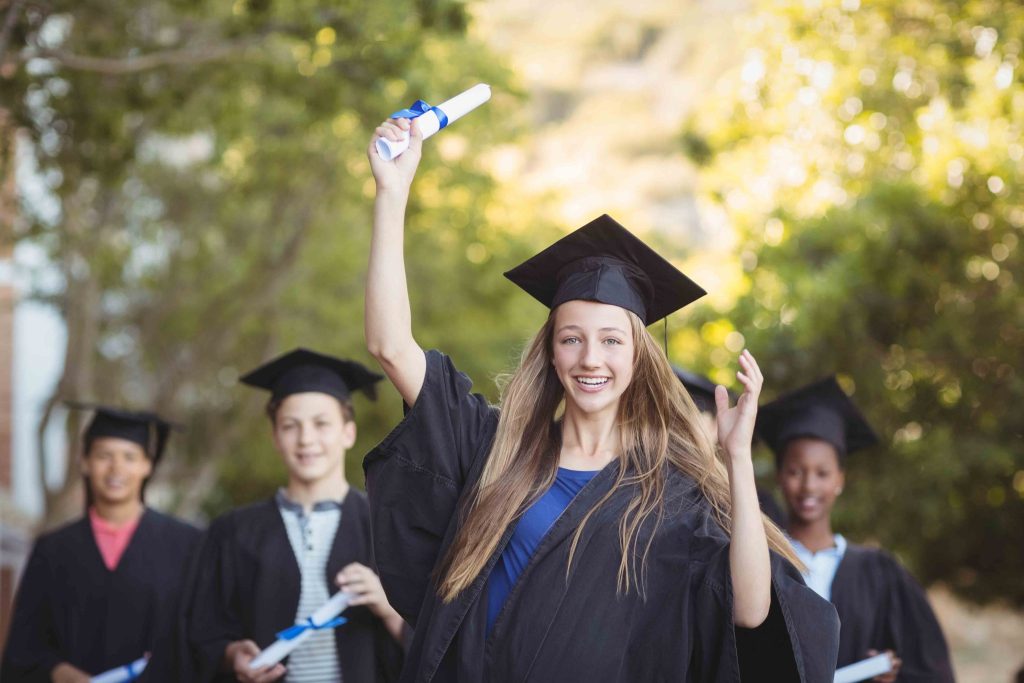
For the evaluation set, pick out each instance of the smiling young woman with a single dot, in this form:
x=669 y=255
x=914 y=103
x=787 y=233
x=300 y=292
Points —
x=882 y=608
x=105 y=590
x=588 y=529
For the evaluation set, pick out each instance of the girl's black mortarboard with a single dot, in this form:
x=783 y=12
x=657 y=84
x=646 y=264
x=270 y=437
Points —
x=604 y=262
x=820 y=410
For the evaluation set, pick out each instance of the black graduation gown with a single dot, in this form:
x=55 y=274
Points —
x=575 y=628
x=71 y=608
x=248 y=584
x=882 y=607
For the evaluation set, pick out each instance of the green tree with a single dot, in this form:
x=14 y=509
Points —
x=870 y=158
x=208 y=165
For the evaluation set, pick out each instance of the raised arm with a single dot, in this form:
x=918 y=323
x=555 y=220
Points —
x=388 y=320
x=749 y=561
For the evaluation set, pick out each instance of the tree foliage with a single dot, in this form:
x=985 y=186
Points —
x=207 y=162
x=870 y=157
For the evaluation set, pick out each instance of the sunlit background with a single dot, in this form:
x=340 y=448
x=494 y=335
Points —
x=187 y=194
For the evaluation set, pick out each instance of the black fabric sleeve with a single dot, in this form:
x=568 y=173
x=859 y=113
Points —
x=798 y=641
x=914 y=631
x=416 y=476
x=32 y=650
x=212 y=618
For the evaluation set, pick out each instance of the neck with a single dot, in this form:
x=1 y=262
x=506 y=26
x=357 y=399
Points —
x=814 y=536
x=121 y=512
x=334 y=486
x=589 y=441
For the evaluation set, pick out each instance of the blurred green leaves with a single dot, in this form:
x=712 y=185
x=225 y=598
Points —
x=870 y=156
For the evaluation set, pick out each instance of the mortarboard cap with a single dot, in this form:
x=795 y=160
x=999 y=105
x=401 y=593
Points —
x=820 y=410
x=303 y=370
x=702 y=390
x=602 y=261
x=147 y=429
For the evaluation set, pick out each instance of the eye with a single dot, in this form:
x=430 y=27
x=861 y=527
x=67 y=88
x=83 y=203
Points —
x=612 y=341
x=570 y=340
x=322 y=424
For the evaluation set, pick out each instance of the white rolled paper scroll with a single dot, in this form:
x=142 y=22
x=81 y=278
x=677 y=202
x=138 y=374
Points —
x=128 y=672
x=864 y=670
x=454 y=109
x=281 y=648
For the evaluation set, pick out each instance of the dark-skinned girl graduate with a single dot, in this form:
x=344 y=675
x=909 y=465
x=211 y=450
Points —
x=272 y=564
x=702 y=391
x=104 y=591
x=586 y=530
x=881 y=607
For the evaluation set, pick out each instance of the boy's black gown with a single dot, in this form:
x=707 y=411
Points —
x=559 y=627
x=882 y=607
x=248 y=584
x=71 y=608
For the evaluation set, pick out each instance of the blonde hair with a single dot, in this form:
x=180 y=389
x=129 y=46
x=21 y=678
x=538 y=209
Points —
x=659 y=425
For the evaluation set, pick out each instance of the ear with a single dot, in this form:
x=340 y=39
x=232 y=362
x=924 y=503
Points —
x=842 y=481
x=349 y=433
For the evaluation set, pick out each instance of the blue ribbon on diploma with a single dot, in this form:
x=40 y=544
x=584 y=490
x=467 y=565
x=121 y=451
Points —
x=292 y=632
x=418 y=109
x=132 y=673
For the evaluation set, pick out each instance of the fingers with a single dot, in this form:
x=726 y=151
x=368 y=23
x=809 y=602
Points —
x=395 y=130
x=750 y=375
x=721 y=399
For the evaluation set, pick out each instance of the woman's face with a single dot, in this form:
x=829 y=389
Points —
x=593 y=354
x=115 y=469
x=810 y=479
x=312 y=435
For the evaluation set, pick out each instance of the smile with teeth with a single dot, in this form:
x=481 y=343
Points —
x=592 y=381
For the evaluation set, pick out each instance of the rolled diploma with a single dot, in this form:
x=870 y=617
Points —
x=121 y=673
x=454 y=109
x=281 y=648
x=864 y=669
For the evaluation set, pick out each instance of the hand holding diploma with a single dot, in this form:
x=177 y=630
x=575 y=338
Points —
x=325 y=617
x=432 y=119
x=122 y=674
x=881 y=667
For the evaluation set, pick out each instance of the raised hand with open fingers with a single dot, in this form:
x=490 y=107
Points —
x=736 y=423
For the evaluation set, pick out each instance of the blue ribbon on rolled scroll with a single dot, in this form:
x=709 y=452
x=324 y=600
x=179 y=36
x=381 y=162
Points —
x=418 y=109
x=132 y=672
x=293 y=632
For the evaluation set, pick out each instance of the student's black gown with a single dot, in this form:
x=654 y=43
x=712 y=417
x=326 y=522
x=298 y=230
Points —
x=248 y=586
x=71 y=608
x=882 y=607
x=554 y=628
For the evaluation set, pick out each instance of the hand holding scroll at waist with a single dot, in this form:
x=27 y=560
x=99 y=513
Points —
x=896 y=664
x=396 y=175
x=736 y=424
x=237 y=657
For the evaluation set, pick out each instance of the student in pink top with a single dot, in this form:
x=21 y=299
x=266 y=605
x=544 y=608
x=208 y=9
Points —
x=105 y=590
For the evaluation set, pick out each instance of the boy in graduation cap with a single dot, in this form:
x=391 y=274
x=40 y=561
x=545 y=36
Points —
x=881 y=607
x=272 y=564
x=702 y=391
x=103 y=592
x=577 y=532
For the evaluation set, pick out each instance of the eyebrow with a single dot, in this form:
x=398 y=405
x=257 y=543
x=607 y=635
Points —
x=577 y=327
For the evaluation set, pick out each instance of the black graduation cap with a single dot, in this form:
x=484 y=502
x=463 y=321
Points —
x=145 y=428
x=303 y=370
x=821 y=410
x=702 y=390
x=602 y=261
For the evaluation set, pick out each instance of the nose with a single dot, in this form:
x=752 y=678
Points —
x=305 y=434
x=591 y=356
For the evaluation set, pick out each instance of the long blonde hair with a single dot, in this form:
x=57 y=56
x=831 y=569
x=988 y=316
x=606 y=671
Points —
x=659 y=425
